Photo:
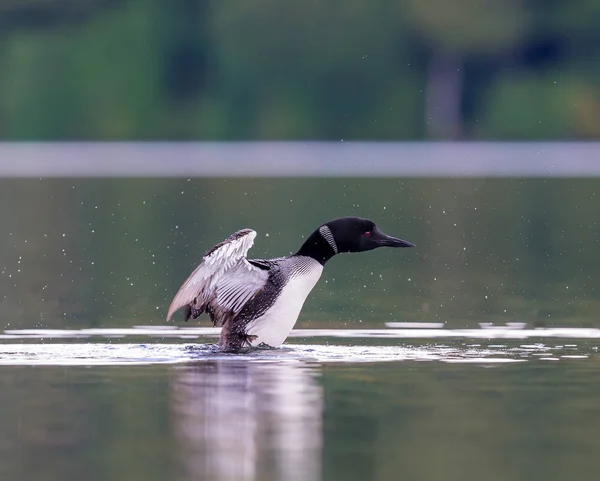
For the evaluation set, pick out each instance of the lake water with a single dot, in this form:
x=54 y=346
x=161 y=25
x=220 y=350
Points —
x=472 y=356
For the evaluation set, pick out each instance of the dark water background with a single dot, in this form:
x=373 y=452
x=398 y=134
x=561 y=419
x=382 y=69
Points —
x=110 y=253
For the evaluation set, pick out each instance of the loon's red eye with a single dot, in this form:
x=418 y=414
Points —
x=368 y=233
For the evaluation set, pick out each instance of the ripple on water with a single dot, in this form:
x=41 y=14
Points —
x=394 y=330
x=131 y=354
x=65 y=347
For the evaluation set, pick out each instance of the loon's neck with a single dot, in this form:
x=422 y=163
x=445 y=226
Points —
x=317 y=248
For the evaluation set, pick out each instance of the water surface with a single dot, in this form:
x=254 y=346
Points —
x=112 y=252
x=119 y=404
x=472 y=356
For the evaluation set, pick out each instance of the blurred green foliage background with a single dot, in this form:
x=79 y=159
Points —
x=299 y=69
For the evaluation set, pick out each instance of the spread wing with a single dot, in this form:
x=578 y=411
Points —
x=223 y=282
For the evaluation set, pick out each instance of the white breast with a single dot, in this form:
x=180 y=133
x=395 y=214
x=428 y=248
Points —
x=274 y=326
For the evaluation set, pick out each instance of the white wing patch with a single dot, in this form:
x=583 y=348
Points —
x=238 y=285
x=224 y=280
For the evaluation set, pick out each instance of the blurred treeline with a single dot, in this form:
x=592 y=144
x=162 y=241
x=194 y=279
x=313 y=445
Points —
x=309 y=69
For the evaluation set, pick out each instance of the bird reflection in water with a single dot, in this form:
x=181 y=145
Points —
x=248 y=420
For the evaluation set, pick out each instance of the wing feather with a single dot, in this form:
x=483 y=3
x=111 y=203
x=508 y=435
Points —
x=224 y=281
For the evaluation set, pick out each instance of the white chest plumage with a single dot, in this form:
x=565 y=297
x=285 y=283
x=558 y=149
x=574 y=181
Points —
x=274 y=326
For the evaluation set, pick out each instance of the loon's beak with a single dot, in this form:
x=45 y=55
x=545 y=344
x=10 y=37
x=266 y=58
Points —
x=389 y=241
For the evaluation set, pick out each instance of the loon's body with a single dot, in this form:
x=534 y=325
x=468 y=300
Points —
x=257 y=302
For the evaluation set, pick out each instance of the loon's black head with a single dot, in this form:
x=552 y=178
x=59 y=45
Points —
x=348 y=234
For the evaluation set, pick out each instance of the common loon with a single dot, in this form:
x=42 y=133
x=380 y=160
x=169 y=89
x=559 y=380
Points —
x=257 y=301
